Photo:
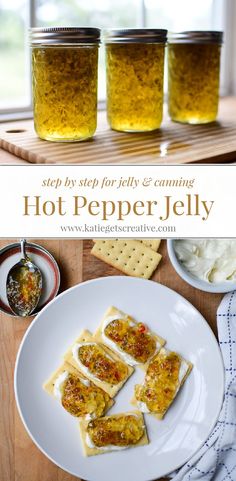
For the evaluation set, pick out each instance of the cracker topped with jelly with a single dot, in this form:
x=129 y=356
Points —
x=79 y=396
x=132 y=340
x=113 y=433
x=101 y=365
x=165 y=375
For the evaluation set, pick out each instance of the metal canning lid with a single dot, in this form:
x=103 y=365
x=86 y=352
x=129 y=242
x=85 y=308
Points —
x=135 y=35
x=64 y=35
x=199 y=36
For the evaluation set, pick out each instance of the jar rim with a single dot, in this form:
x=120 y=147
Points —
x=135 y=35
x=196 y=36
x=64 y=35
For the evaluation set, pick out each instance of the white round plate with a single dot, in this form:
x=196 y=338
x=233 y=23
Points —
x=188 y=422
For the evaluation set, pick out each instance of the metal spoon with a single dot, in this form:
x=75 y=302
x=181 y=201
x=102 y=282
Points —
x=24 y=285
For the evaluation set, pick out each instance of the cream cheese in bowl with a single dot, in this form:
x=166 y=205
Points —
x=212 y=260
x=208 y=264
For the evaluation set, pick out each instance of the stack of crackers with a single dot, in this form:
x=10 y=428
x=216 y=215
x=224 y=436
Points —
x=137 y=258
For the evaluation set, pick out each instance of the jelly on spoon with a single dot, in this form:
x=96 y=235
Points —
x=24 y=285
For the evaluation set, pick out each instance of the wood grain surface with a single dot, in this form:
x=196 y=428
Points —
x=20 y=460
x=173 y=143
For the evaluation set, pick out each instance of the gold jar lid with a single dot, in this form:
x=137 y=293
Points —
x=135 y=35
x=64 y=35
x=196 y=36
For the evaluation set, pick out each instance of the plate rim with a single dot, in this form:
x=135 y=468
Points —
x=35 y=320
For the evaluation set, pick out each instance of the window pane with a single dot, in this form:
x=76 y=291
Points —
x=14 y=21
x=185 y=15
x=14 y=58
x=96 y=13
x=181 y=15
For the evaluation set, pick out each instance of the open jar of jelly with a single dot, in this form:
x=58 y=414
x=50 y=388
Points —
x=135 y=70
x=193 y=76
x=64 y=77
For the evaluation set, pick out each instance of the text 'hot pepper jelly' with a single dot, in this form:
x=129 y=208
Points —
x=135 y=69
x=64 y=76
x=193 y=76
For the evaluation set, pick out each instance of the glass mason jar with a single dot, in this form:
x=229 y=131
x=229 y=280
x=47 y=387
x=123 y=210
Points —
x=193 y=76
x=135 y=69
x=64 y=75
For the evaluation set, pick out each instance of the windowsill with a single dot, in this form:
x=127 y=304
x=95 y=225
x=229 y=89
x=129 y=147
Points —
x=27 y=114
x=15 y=116
x=173 y=144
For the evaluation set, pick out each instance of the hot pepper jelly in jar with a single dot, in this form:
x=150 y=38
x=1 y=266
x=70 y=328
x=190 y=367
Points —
x=64 y=74
x=193 y=76
x=135 y=69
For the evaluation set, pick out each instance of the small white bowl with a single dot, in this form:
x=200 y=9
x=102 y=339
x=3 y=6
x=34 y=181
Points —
x=220 y=287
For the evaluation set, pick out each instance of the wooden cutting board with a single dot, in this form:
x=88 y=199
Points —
x=20 y=459
x=173 y=144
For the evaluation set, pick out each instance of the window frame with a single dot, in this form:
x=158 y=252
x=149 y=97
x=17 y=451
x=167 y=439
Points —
x=229 y=59
x=26 y=112
x=227 y=9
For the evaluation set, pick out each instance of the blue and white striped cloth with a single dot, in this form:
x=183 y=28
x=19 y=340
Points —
x=216 y=460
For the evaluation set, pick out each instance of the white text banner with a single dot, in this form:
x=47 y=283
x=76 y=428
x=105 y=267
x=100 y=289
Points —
x=117 y=201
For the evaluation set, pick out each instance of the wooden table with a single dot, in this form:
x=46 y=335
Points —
x=173 y=143
x=20 y=460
